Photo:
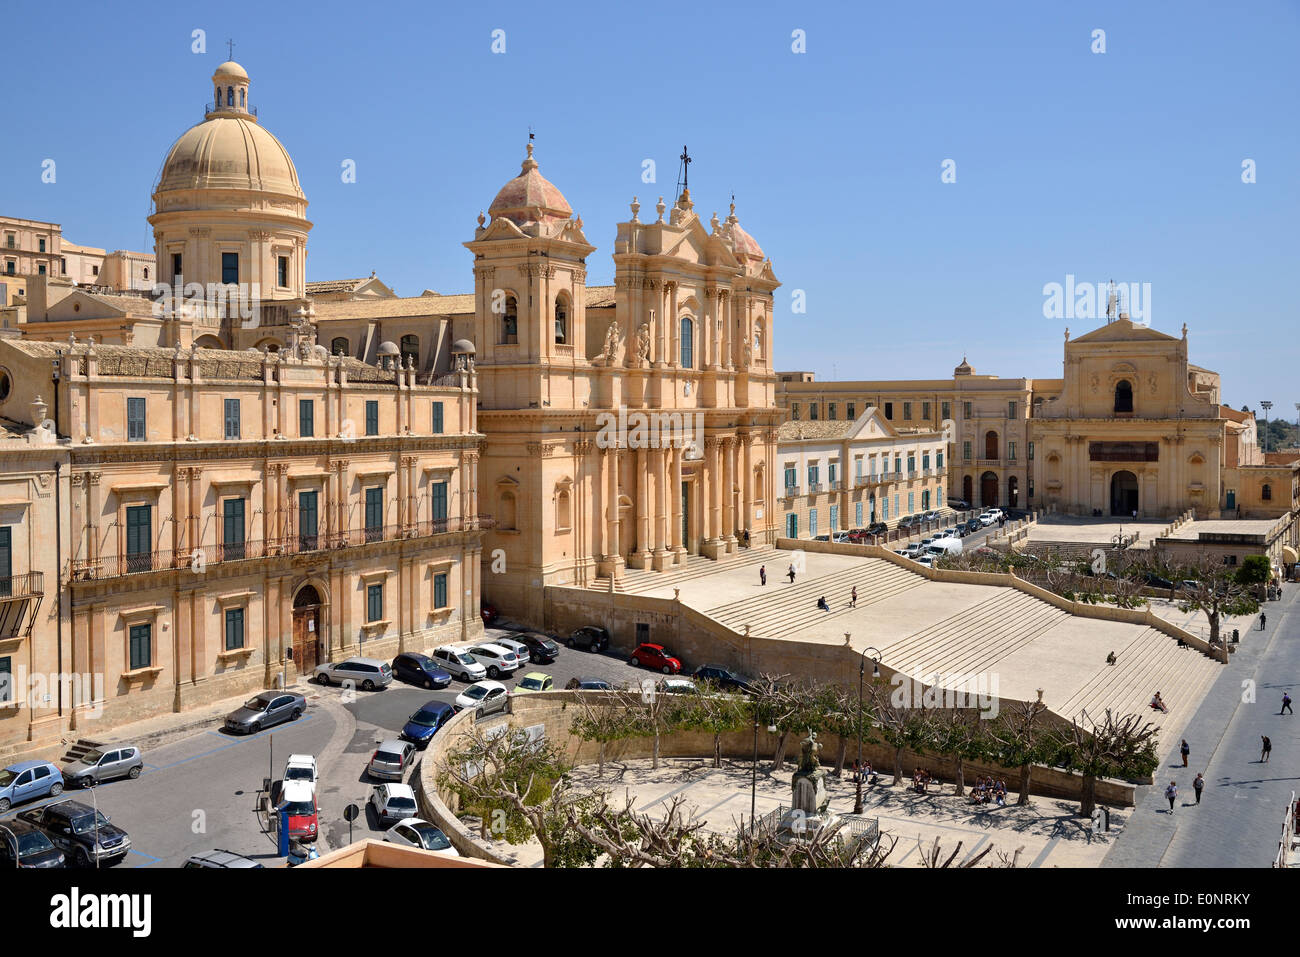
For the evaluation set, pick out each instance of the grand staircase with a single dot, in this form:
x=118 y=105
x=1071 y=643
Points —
x=638 y=581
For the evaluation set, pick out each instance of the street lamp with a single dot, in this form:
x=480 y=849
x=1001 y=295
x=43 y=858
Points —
x=753 y=780
x=875 y=673
x=1265 y=404
x=90 y=783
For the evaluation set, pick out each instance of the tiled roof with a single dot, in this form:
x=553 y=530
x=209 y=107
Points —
x=334 y=285
x=819 y=429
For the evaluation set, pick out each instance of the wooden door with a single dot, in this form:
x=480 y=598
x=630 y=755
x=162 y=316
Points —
x=306 y=638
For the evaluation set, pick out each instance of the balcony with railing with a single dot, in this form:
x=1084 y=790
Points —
x=791 y=491
x=837 y=485
x=814 y=488
x=27 y=585
x=197 y=558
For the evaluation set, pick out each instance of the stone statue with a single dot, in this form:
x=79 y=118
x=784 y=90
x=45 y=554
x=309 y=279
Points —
x=643 y=342
x=809 y=799
x=610 y=351
x=747 y=352
x=810 y=754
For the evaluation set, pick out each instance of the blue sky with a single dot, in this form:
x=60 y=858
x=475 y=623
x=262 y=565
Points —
x=1123 y=165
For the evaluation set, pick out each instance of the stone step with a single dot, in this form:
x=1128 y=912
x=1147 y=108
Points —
x=80 y=748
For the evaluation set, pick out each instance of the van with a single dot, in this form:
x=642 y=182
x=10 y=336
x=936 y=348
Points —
x=944 y=546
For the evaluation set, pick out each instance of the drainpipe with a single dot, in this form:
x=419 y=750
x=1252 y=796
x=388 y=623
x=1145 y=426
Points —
x=58 y=527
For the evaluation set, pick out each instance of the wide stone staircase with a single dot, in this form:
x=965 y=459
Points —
x=1151 y=662
x=638 y=581
x=787 y=609
x=975 y=639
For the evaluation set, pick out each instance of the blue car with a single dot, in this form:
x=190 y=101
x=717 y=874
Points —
x=424 y=724
x=29 y=781
x=420 y=670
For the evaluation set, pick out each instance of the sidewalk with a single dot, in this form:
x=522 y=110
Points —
x=1215 y=733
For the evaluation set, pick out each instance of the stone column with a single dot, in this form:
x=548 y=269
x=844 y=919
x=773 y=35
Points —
x=615 y=555
x=644 y=503
x=729 y=491
x=674 y=328
x=675 y=497
x=746 y=476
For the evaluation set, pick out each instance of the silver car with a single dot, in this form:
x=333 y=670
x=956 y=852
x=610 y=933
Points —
x=264 y=710
x=364 y=673
x=104 y=764
x=497 y=659
x=390 y=760
x=393 y=802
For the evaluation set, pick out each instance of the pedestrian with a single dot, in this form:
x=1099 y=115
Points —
x=1198 y=786
x=853 y=597
x=1286 y=704
x=1171 y=792
x=1267 y=748
x=762 y=574
x=791 y=573
x=1184 y=750
x=1262 y=618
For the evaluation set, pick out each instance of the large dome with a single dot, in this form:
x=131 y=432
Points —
x=530 y=197
x=229 y=152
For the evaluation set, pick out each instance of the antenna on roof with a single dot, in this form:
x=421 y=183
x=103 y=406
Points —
x=230 y=49
x=684 y=171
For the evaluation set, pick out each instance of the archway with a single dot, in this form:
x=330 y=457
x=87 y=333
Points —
x=1013 y=492
x=988 y=490
x=990 y=444
x=968 y=489
x=1123 y=493
x=208 y=341
x=306 y=628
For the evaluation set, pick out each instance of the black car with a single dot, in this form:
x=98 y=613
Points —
x=877 y=528
x=973 y=525
x=80 y=832
x=591 y=637
x=587 y=684
x=909 y=521
x=419 y=670
x=1155 y=581
x=542 y=649
x=727 y=680
x=34 y=848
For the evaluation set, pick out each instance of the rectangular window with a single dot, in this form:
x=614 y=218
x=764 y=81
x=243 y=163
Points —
x=896 y=509
x=965 y=451
x=898 y=465
x=282 y=271
x=135 y=419
x=884 y=506
x=6 y=569
x=437 y=418
x=232 y=529
x=791 y=525
x=40 y=270
x=234 y=629
x=813 y=476
x=794 y=408
x=857 y=514
x=830 y=414
x=308 y=530
x=812 y=412
x=911 y=463
x=965 y=410
x=851 y=411
x=307 y=418
x=1011 y=451
x=232 y=418
x=889 y=411
x=374 y=602
x=139 y=538
x=812 y=523
x=907 y=411
x=230 y=268
x=791 y=479
x=374 y=513
x=141 y=646
x=925 y=460
x=438 y=498
x=832 y=472
x=945 y=410
x=42 y=245
x=938 y=497
x=911 y=502
x=440 y=590
x=176 y=265
x=1011 y=409
x=372 y=416
x=1031 y=451
x=938 y=460
x=835 y=518
x=6 y=679
x=925 y=411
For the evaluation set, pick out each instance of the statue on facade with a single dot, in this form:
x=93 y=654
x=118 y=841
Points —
x=747 y=352
x=610 y=352
x=643 y=342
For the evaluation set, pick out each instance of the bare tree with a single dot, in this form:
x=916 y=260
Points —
x=1116 y=747
x=1215 y=589
x=1019 y=738
x=932 y=856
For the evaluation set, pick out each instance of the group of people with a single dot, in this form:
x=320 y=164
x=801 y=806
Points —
x=1158 y=704
x=921 y=779
x=864 y=773
x=988 y=790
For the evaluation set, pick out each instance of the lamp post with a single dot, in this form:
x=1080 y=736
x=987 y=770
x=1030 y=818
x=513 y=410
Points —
x=875 y=673
x=753 y=780
x=1265 y=404
x=91 y=784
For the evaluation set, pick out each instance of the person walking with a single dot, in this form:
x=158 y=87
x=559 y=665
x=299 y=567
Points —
x=1286 y=704
x=762 y=574
x=1262 y=618
x=1171 y=792
x=1266 y=749
x=1198 y=786
x=791 y=573
x=1184 y=750
x=853 y=597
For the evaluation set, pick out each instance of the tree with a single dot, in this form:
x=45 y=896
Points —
x=1255 y=570
x=1019 y=738
x=716 y=712
x=1117 y=747
x=901 y=727
x=959 y=732
x=605 y=720
x=789 y=707
x=1214 y=589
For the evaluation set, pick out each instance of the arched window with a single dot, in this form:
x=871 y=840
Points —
x=146 y=272
x=1123 y=396
x=242 y=94
x=340 y=346
x=410 y=350
x=688 y=342
x=217 y=97
x=230 y=96
x=510 y=322
x=563 y=507
x=562 y=318
x=1266 y=492
x=758 y=339
x=990 y=444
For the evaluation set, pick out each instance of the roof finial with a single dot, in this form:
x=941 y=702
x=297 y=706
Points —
x=230 y=49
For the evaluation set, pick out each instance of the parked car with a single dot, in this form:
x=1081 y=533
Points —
x=485 y=697
x=300 y=767
x=534 y=681
x=1155 y=581
x=821 y=538
x=657 y=657
x=840 y=538
x=912 y=551
x=987 y=519
x=1189 y=585
x=266 y=710
x=220 y=859
x=959 y=505
x=459 y=664
x=930 y=517
x=973 y=525
x=497 y=660
x=80 y=832
x=393 y=802
x=390 y=760
x=488 y=612
x=26 y=845
x=952 y=547
x=104 y=764
x=909 y=521
x=364 y=673
x=298 y=798
x=416 y=832
x=587 y=684
x=678 y=686
x=878 y=528
x=591 y=637
x=420 y=670
x=531 y=646
x=27 y=781
x=727 y=680
x=425 y=723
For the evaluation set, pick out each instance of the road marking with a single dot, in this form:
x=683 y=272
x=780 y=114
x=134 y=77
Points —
x=1042 y=855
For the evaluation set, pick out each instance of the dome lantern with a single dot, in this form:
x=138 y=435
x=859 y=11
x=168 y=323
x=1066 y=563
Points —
x=230 y=91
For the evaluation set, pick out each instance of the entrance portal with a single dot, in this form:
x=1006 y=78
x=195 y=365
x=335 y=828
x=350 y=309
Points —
x=1124 y=494
x=988 y=490
x=306 y=629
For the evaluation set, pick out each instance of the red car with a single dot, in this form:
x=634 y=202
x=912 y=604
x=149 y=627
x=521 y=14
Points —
x=488 y=612
x=657 y=657
x=299 y=799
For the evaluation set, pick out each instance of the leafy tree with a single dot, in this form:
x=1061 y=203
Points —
x=716 y=712
x=1115 y=747
x=1020 y=738
x=1255 y=570
x=959 y=732
x=898 y=725
x=1217 y=592
x=605 y=720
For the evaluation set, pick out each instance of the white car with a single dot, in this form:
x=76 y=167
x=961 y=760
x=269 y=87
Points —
x=987 y=519
x=393 y=802
x=301 y=767
x=678 y=686
x=484 y=697
x=417 y=832
x=496 y=659
x=458 y=663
